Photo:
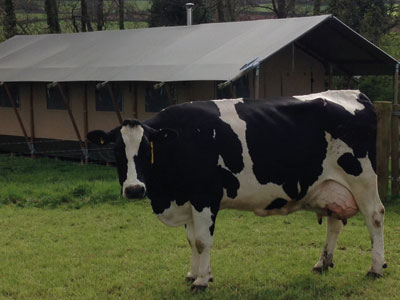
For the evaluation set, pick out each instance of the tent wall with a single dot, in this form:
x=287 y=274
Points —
x=289 y=73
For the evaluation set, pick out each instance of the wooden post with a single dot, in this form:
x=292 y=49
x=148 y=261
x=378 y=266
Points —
x=135 y=101
x=257 y=82
x=395 y=136
x=384 y=115
x=396 y=85
x=114 y=101
x=232 y=89
x=395 y=150
x=32 y=118
x=293 y=60
x=21 y=124
x=71 y=116
x=169 y=96
x=330 y=77
x=86 y=120
x=14 y=105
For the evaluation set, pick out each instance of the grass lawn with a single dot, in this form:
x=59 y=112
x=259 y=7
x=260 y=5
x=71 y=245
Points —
x=82 y=248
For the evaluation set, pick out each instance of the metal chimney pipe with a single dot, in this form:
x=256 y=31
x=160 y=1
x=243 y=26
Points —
x=189 y=8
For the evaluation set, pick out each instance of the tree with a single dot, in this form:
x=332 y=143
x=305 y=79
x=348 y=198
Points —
x=85 y=20
x=9 y=20
x=317 y=7
x=234 y=9
x=121 y=14
x=371 y=18
x=173 y=12
x=220 y=11
x=281 y=8
x=52 y=16
x=100 y=14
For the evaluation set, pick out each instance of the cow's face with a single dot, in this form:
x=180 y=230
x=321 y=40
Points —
x=134 y=154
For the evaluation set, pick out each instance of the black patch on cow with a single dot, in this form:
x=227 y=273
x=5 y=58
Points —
x=277 y=204
x=229 y=182
x=358 y=131
x=350 y=164
x=212 y=227
x=229 y=147
x=286 y=142
x=191 y=162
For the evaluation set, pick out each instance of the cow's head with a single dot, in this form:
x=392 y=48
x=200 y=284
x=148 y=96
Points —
x=134 y=149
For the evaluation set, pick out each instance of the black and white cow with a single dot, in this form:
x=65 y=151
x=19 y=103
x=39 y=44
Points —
x=274 y=156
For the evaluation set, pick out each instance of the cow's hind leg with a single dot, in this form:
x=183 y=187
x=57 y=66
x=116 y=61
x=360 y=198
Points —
x=373 y=212
x=333 y=228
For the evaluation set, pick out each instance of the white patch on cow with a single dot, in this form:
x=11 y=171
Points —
x=132 y=137
x=346 y=99
x=229 y=116
x=221 y=162
x=203 y=222
x=176 y=215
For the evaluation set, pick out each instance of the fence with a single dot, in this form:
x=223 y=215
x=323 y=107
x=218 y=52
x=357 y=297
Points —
x=383 y=149
x=387 y=145
x=56 y=148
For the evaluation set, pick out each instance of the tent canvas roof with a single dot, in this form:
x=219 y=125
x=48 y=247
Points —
x=216 y=51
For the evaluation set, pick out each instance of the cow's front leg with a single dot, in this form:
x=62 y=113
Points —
x=194 y=269
x=333 y=228
x=203 y=222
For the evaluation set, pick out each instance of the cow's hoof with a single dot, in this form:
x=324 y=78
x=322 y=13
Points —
x=374 y=275
x=211 y=279
x=319 y=270
x=322 y=269
x=190 y=279
x=384 y=265
x=198 y=288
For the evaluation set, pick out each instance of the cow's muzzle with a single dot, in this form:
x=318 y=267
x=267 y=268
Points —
x=135 y=191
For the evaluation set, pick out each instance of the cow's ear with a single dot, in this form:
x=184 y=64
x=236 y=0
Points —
x=165 y=135
x=99 y=137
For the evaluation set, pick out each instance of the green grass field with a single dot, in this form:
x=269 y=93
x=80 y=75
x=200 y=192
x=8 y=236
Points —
x=50 y=183
x=58 y=242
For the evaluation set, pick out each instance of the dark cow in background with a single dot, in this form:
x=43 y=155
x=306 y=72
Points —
x=274 y=156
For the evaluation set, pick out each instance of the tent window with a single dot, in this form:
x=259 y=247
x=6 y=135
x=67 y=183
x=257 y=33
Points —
x=4 y=100
x=104 y=101
x=242 y=87
x=158 y=99
x=54 y=98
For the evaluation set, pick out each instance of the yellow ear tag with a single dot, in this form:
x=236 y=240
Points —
x=101 y=141
x=152 y=152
